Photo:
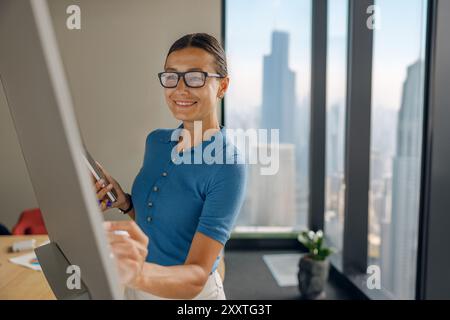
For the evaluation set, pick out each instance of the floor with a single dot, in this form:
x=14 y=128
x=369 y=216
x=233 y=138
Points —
x=248 y=277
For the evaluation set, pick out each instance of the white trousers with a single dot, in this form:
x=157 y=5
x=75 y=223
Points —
x=213 y=290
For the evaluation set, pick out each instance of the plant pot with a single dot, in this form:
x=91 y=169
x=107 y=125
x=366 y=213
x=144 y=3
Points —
x=312 y=277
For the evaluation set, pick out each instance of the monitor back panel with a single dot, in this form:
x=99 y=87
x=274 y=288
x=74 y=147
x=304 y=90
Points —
x=39 y=99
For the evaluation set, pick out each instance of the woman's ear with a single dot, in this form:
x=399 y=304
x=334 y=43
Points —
x=223 y=86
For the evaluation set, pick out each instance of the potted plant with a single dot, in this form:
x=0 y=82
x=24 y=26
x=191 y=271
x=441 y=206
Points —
x=313 y=266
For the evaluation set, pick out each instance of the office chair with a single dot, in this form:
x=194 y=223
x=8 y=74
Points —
x=30 y=222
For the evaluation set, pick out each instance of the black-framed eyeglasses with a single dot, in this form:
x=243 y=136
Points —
x=192 y=79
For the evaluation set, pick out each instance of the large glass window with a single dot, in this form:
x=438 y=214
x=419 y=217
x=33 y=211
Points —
x=335 y=127
x=268 y=46
x=396 y=142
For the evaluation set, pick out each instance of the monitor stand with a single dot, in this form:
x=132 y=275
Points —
x=55 y=267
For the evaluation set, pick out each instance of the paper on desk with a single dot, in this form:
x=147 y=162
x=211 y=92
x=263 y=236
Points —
x=28 y=260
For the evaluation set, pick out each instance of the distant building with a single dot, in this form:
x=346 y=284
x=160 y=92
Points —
x=400 y=250
x=279 y=101
x=270 y=199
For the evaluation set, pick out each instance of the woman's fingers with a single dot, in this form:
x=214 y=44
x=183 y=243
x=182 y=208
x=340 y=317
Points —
x=123 y=250
x=114 y=239
x=104 y=201
x=102 y=187
x=102 y=193
x=100 y=184
x=129 y=248
x=131 y=227
x=103 y=205
x=110 y=180
x=97 y=184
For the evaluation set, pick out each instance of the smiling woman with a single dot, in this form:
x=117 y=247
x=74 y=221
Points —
x=184 y=212
x=203 y=54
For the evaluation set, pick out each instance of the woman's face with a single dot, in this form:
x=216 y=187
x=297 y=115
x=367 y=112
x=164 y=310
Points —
x=192 y=104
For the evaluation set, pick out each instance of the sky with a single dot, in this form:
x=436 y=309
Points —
x=249 y=24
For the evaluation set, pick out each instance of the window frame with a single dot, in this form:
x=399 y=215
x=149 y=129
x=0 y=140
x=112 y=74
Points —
x=357 y=138
x=434 y=201
x=318 y=108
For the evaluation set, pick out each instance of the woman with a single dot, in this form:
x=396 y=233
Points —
x=184 y=212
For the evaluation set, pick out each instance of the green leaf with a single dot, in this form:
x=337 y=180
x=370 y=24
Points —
x=319 y=242
x=325 y=252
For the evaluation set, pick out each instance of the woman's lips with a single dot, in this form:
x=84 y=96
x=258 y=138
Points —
x=184 y=103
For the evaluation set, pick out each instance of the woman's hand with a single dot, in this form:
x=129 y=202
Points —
x=103 y=187
x=130 y=251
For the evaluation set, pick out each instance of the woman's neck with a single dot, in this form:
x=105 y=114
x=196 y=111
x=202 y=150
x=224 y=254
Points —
x=197 y=131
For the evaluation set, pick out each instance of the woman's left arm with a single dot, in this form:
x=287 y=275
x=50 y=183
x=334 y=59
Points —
x=222 y=204
x=182 y=281
x=175 y=282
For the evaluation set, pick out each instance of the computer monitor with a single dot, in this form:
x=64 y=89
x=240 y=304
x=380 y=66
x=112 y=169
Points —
x=41 y=106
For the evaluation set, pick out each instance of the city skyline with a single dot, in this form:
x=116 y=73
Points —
x=394 y=188
x=247 y=40
x=398 y=255
x=396 y=91
x=285 y=192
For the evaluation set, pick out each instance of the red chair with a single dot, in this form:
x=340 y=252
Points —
x=30 y=222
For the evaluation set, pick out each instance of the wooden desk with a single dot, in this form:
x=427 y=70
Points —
x=18 y=282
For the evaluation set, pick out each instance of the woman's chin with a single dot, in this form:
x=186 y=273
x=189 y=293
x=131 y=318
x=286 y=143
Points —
x=183 y=113
x=183 y=116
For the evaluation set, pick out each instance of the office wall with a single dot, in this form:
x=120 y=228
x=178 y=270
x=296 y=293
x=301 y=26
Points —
x=111 y=65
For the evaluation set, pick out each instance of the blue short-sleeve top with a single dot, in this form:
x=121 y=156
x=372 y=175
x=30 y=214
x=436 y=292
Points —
x=175 y=195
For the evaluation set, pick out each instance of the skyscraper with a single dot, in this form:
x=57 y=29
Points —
x=401 y=250
x=279 y=101
x=270 y=199
x=281 y=199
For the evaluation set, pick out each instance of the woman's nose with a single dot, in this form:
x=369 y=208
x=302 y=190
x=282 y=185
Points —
x=181 y=85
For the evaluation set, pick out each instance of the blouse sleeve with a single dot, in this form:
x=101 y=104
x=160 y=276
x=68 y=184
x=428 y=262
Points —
x=223 y=202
